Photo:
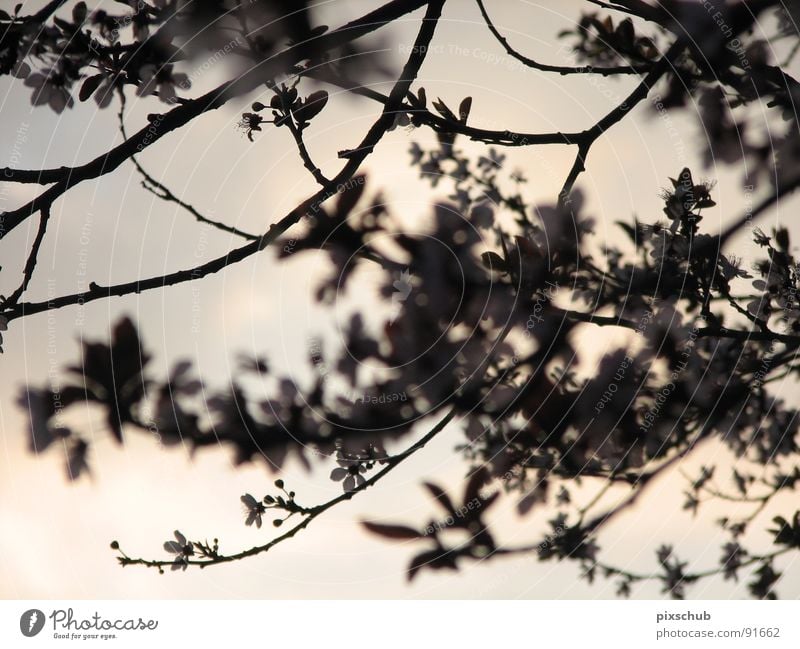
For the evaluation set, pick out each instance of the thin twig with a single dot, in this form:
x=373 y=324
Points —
x=297 y=134
x=692 y=576
x=151 y=185
x=186 y=111
x=560 y=69
x=30 y=264
x=751 y=214
x=354 y=161
x=702 y=332
x=312 y=512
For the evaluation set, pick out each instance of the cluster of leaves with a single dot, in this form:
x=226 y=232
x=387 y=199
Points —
x=140 y=44
x=598 y=40
x=533 y=422
x=466 y=520
x=725 y=69
x=288 y=109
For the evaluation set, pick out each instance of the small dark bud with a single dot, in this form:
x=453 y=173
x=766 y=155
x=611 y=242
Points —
x=279 y=484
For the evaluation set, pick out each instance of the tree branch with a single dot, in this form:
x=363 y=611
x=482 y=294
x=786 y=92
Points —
x=297 y=134
x=703 y=332
x=313 y=512
x=563 y=70
x=587 y=138
x=354 y=159
x=151 y=185
x=751 y=214
x=30 y=264
x=190 y=109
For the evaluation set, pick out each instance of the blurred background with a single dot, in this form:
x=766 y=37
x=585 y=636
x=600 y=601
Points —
x=55 y=535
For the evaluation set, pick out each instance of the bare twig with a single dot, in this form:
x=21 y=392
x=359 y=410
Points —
x=311 y=513
x=154 y=187
x=750 y=215
x=30 y=264
x=308 y=163
x=560 y=69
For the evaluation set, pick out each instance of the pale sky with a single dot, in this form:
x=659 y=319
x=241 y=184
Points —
x=54 y=536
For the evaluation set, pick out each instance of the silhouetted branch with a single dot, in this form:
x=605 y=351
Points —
x=354 y=159
x=442 y=125
x=702 y=332
x=151 y=185
x=30 y=264
x=45 y=12
x=560 y=69
x=690 y=576
x=312 y=512
x=308 y=163
x=190 y=109
x=612 y=7
x=751 y=214
x=578 y=166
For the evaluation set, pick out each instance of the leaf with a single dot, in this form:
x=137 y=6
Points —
x=782 y=239
x=476 y=481
x=392 y=531
x=535 y=495
x=441 y=496
x=89 y=86
x=4 y=15
x=312 y=106
x=464 y=108
x=526 y=247
x=79 y=12
x=685 y=179
x=349 y=197
x=626 y=32
x=64 y=25
x=631 y=230
x=740 y=481
x=435 y=559
x=420 y=561
x=249 y=501
x=487 y=502
x=444 y=111
x=493 y=261
x=76 y=459
x=317 y=31
x=173 y=547
x=787 y=533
